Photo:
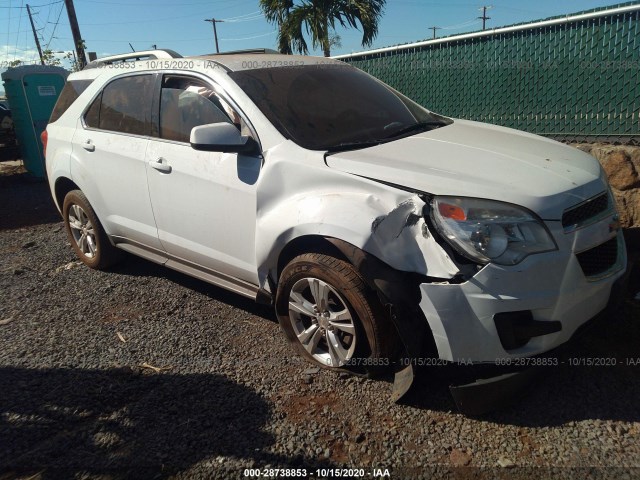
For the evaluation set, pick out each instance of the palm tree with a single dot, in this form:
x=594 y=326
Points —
x=319 y=18
x=277 y=11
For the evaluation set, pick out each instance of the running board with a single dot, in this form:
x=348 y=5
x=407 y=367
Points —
x=215 y=278
x=218 y=279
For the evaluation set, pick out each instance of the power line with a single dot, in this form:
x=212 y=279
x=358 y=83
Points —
x=35 y=6
x=249 y=38
x=172 y=4
x=18 y=35
x=55 y=26
x=137 y=22
x=245 y=18
x=460 y=25
x=9 y=25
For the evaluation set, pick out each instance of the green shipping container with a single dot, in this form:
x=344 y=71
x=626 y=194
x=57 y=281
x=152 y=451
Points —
x=32 y=91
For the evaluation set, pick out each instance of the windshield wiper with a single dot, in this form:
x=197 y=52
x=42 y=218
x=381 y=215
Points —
x=341 y=147
x=420 y=126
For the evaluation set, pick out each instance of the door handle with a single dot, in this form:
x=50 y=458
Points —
x=89 y=146
x=161 y=165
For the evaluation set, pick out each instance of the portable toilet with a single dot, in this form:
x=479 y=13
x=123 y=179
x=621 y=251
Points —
x=32 y=91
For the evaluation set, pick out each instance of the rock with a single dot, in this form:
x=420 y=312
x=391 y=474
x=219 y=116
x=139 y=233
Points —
x=620 y=170
x=634 y=156
x=622 y=166
x=505 y=462
x=628 y=204
x=29 y=244
x=67 y=266
x=311 y=371
x=585 y=147
x=459 y=458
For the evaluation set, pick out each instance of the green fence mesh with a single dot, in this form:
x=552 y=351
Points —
x=575 y=81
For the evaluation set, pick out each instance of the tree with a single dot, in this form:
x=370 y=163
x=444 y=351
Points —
x=318 y=18
x=71 y=58
x=49 y=58
x=277 y=11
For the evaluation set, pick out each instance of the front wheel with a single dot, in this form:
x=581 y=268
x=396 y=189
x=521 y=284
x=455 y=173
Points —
x=332 y=317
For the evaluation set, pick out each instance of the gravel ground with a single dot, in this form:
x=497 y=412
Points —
x=141 y=372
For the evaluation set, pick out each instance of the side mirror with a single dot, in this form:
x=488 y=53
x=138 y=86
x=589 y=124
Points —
x=221 y=137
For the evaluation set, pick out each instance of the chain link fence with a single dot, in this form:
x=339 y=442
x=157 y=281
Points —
x=572 y=78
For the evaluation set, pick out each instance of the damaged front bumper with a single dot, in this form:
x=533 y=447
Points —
x=545 y=299
x=504 y=315
x=480 y=388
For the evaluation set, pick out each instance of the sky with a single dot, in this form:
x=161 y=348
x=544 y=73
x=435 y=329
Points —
x=109 y=27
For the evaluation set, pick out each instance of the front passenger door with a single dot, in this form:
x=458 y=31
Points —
x=204 y=203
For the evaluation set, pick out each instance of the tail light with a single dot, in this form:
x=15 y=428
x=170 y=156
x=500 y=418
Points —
x=44 y=137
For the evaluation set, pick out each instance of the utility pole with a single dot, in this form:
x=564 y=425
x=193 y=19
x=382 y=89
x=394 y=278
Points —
x=75 y=32
x=434 y=31
x=35 y=35
x=484 y=17
x=215 y=32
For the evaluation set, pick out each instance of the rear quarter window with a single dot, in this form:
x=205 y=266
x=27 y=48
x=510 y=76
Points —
x=71 y=91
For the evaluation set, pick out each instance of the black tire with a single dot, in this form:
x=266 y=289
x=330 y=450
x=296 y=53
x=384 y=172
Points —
x=374 y=336
x=85 y=233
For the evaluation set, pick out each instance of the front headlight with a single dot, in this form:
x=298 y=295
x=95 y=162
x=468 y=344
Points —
x=490 y=231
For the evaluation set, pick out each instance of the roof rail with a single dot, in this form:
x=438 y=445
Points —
x=247 y=51
x=133 y=56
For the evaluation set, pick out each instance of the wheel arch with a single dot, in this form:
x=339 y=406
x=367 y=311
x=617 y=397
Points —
x=306 y=244
x=63 y=185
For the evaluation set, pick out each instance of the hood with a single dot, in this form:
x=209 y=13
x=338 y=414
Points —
x=471 y=159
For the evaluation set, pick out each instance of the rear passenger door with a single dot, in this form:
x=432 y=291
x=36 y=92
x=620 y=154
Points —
x=110 y=150
x=204 y=202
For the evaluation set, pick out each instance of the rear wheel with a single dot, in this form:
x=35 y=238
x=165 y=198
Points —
x=331 y=317
x=86 y=234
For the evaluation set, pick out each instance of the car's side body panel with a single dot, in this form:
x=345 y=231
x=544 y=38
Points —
x=298 y=196
x=113 y=176
x=205 y=208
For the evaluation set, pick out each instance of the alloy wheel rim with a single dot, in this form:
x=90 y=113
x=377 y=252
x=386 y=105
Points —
x=82 y=231
x=322 y=321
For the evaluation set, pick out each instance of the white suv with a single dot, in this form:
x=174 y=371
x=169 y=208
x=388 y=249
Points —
x=377 y=228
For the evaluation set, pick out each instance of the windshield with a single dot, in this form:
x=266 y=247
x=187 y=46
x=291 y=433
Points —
x=333 y=106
